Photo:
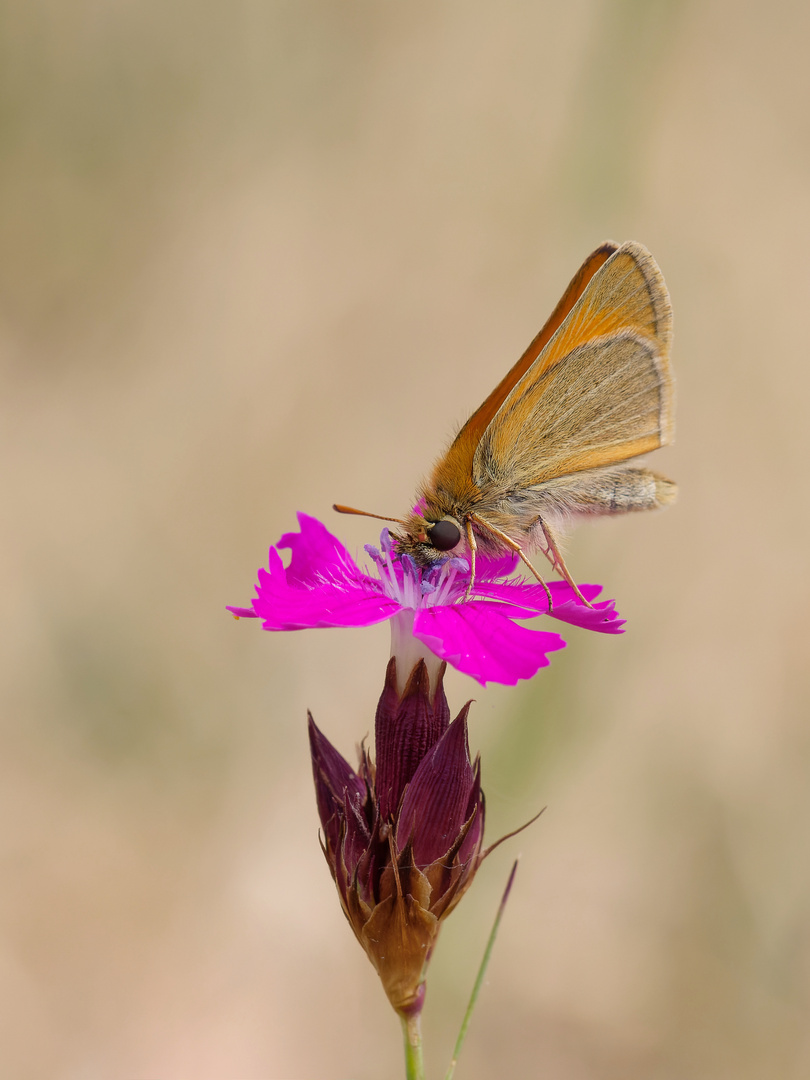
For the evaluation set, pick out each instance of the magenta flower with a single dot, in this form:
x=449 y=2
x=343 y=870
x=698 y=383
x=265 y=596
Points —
x=482 y=637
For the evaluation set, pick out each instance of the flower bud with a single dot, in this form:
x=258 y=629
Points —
x=403 y=838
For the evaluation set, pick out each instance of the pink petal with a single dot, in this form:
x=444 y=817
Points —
x=602 y=617
x=316 y=553
x=338 y=601
x=524 y=600
x=480 y=640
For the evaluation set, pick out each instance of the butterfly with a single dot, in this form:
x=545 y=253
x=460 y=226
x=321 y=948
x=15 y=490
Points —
x=557 y=438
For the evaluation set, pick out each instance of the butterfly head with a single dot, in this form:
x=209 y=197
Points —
x=428 y=542
x=426 y=538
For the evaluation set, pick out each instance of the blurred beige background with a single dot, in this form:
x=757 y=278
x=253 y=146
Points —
x=257 y=257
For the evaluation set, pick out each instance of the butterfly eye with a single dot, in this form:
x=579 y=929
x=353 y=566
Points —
x=444 y=535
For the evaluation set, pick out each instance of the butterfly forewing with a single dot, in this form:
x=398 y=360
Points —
x=599 y=405
x=599 y=393
x=459 y=458
x=628 y=294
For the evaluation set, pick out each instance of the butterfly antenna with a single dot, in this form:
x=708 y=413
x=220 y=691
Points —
x=364 y=513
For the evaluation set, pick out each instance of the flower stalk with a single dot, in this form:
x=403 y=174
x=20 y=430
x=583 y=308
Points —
x=412 y=1033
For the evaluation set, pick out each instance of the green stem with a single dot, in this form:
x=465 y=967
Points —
x=412 y=1030
x=480 y=978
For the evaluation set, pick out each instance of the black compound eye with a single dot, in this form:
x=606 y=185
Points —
x=444 y=535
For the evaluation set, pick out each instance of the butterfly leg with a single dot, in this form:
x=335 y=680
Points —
x=554 y=556
x=473 y=546
x=513 y=545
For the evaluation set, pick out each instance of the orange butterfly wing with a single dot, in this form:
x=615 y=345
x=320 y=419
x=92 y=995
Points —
x=600 y=392
x=458 y=461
